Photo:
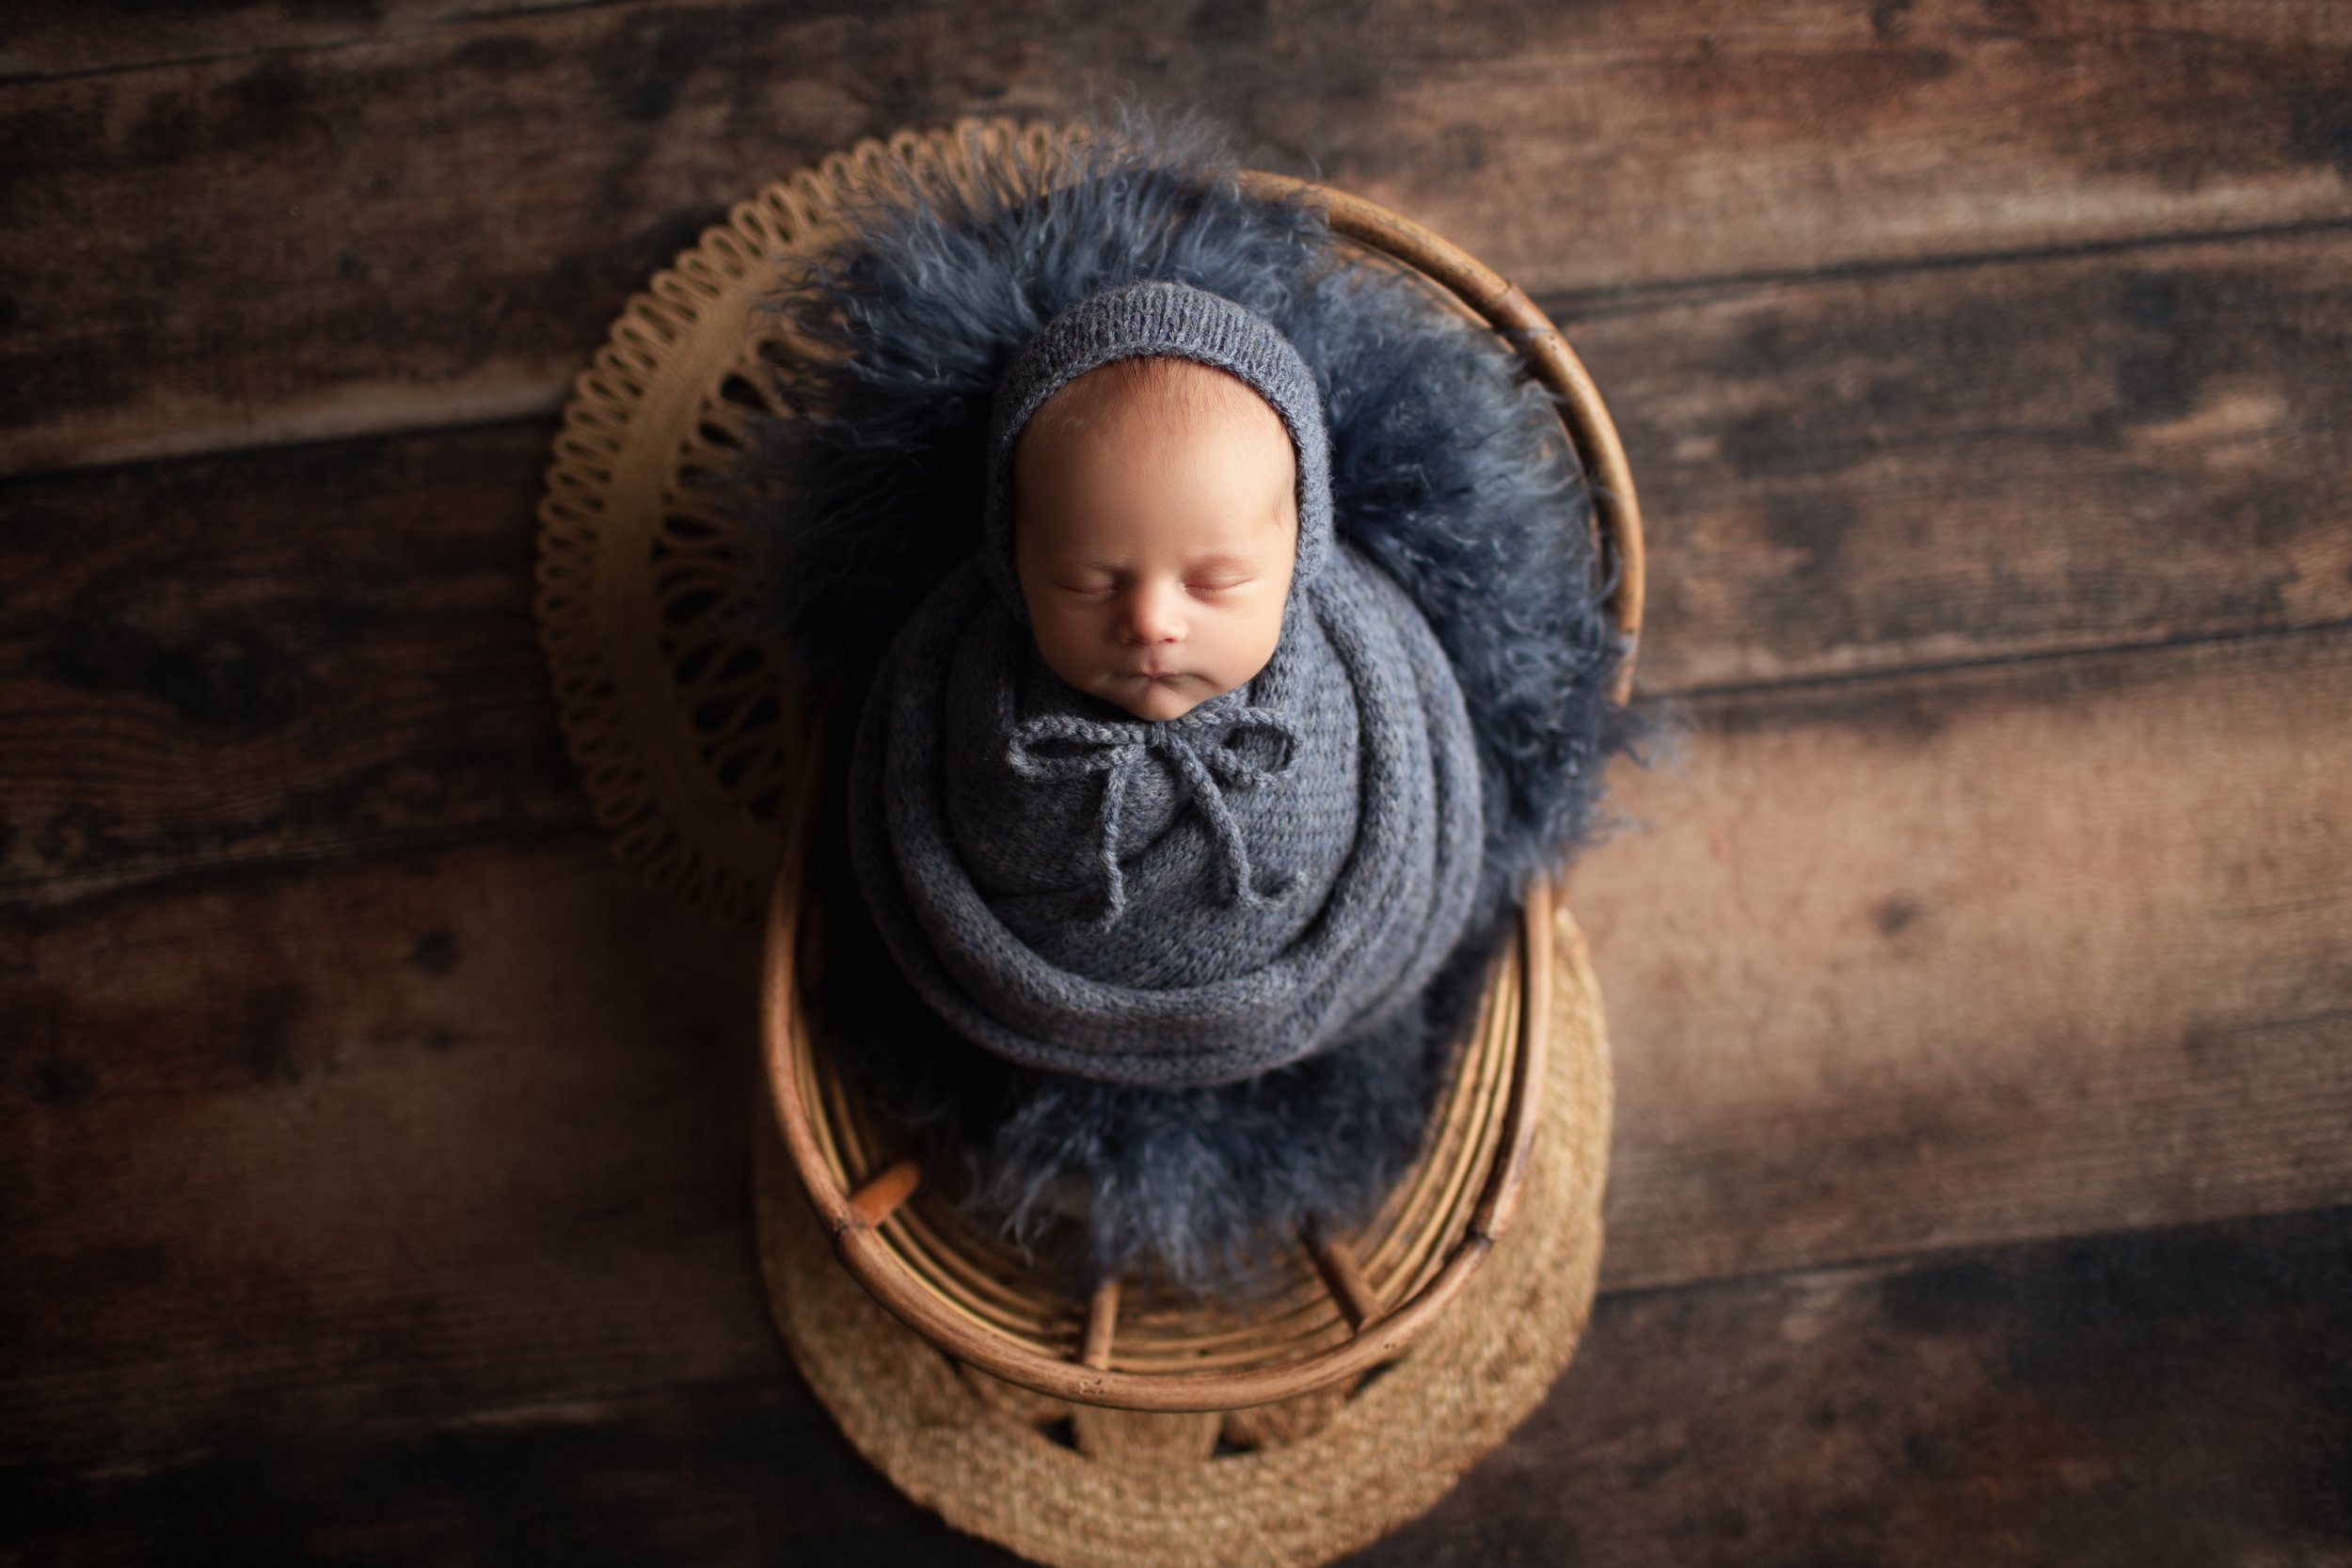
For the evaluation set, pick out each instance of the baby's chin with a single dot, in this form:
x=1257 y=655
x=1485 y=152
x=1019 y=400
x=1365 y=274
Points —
x=1159 y=700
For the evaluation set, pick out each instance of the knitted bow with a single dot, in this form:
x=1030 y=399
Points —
x=1201 y=753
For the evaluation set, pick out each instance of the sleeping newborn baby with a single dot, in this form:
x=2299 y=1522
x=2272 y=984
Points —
x=1166 y=785
x=1155 y=521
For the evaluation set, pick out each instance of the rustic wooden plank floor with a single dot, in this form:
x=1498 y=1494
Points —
x=373 y=1153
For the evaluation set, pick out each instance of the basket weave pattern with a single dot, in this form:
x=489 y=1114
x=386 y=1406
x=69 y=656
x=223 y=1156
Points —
x=1294 y=1483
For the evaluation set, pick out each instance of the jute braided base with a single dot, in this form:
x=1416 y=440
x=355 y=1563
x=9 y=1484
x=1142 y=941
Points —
x=1296 y=1483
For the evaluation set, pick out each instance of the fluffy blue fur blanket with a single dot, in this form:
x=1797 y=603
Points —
x=1450 y=469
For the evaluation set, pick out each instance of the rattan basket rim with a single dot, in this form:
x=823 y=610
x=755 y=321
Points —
x=864 y=1240
x=865 y=1247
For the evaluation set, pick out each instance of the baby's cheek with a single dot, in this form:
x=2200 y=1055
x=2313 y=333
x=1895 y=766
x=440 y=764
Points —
x=1267 y=623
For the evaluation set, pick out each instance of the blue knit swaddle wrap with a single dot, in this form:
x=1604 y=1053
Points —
x=1182 y=902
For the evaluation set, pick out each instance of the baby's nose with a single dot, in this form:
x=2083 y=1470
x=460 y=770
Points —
x=1154 y=613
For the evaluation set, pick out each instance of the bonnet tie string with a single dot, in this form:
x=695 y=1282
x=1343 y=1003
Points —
x=1203 y=756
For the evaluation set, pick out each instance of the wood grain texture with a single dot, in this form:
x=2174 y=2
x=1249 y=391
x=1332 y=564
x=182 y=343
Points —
x=269 y=656
x=1900 y=964
x=56 y=37
x=2019 y=951
x=1844 y=474
x=409 y=1136
x=435 y=228
x=372 y=1151
x=1841 y=475
x=2177 y=1398
x=2171 y=1398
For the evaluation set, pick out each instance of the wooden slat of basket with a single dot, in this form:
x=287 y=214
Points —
x=1400 y=1271
x=935 y=1257
x=961 y=1280
x=853 y=1140
x=1306 y=1303
x=1501 y=1198
x=990 y=1294
x=877 y=1200
x=1242 y=1340
x=978 y=1325
x=1102 y=1322
x=1468 y=1127
x=946 y=1259
x=957 y=1260
x=1407 y=1212
x=1183 y=1327
x=1238 y=1359
x=1349 y=1288
x=1175 y=1328
x=979 y=1280
x=1244 y=1346
x=1035 y=1317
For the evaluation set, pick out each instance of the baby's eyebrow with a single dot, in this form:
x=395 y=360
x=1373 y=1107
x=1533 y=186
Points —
x=1222 y=563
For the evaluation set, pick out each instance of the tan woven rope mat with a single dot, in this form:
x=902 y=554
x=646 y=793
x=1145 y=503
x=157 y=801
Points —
x=1296 y=1483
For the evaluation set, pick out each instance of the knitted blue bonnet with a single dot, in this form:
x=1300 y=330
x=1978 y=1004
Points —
x=1159 y=320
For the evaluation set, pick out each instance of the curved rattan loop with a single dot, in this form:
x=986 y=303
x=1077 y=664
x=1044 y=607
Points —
x=801 y=1083
x=1290 y=1484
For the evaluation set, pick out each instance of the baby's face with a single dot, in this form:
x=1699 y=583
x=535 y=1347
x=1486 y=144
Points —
x=1155 y=524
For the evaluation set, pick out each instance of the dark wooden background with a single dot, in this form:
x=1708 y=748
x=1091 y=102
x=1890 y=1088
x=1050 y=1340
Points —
x=372 y=1152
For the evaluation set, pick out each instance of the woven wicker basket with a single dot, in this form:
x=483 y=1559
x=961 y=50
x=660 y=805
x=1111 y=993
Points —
x=1348 y=1304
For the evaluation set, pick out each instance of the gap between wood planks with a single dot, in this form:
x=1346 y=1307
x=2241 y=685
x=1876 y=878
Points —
x=1577 y=304
x=1669 y=697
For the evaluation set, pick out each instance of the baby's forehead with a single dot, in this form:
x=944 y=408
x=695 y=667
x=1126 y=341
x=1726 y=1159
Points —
x=1147 y=393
